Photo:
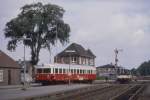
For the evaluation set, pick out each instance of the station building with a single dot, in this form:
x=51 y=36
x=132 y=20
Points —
x=75 y=54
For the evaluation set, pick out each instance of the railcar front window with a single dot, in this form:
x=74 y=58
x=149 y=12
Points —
x=39 y=70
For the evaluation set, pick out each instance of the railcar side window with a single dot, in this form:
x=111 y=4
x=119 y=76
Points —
x=74 y=71
x=77 y=71
x=80 y=71
x=60 y=70
x=83 y=71
x=88 y=72
x=64 y=71
x=47 y=70
x=67 y=70
x=56 y=70
x=71 y=70
x=39 y=70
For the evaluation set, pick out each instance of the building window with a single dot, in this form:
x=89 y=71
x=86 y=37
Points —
x=91 y=61
x=73 y=59
x=84 y=61
x=1 y=75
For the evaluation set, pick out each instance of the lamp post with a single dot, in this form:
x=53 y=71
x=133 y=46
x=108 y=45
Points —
x=24 y=68
x=69 y=52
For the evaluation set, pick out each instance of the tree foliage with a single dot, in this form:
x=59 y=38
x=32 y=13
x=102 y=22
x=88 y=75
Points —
x=144 y=68
x=134 y=71
x=43 y=24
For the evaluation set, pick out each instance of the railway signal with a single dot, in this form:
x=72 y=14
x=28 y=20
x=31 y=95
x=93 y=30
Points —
x=116 y=57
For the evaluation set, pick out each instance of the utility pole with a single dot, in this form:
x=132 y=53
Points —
x=116 y=58
x=24 y=60
x=69 y=72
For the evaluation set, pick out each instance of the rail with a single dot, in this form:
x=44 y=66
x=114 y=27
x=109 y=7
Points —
x=63 y=94
x=95 y=94
x=130 y=93
x=135 y=96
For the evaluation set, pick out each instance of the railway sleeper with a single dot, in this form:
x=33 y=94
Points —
x=64 y=94
x=77 y=94
x=125 y=95
x=136 y=94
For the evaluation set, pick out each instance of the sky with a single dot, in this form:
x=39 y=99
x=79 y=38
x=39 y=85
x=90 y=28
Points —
x=99 y=25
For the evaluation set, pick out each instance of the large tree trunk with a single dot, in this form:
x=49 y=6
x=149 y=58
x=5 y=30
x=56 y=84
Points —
x=34 y=59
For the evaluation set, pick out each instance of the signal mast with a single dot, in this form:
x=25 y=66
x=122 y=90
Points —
x=116 y=58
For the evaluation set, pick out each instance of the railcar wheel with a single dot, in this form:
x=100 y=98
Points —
x=44 y=83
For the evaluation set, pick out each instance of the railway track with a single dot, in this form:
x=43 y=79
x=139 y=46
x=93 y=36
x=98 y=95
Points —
x=145 y=94
x=104 y=93
x=124 y=92
x=98 y=92
x=65 y=95
x=132 y=93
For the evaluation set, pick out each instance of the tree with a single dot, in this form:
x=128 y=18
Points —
x=42 y=23
x=144 y=68
x=134 y=71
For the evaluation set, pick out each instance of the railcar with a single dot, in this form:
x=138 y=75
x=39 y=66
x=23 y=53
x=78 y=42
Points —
x=54 y=73
x=124 y=78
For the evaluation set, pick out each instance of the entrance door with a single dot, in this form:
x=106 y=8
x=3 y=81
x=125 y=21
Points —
x=9 y=77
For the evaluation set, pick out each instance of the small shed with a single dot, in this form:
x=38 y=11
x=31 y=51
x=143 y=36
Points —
x=9 y=70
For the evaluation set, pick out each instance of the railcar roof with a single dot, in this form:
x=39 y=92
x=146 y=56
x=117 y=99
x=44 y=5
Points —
x=65 y=66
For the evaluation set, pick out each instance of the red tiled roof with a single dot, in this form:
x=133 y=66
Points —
x=79 y=50
x=7 y=61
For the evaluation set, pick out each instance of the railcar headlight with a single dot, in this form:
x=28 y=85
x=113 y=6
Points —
x=37 y=76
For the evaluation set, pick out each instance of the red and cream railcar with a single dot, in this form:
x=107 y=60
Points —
x=50 y=73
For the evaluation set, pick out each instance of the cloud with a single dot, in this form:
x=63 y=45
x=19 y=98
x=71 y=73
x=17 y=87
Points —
x=100 y=25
